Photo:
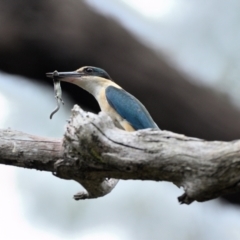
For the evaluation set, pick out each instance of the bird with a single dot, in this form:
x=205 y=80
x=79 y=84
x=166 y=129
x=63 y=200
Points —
x=126 y=111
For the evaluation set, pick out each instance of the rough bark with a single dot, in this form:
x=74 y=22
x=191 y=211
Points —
x=95 y=153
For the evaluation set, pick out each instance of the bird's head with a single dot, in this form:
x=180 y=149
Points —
x=88 y=78
x=82 y=74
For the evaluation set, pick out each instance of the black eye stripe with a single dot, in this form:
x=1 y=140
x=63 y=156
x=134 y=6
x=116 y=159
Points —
x=94 y=71
x=88 y=70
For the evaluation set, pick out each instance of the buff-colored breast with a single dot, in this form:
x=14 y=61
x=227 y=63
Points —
x=117 y=119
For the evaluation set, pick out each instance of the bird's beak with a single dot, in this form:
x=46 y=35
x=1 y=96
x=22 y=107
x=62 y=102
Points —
x=63 y=76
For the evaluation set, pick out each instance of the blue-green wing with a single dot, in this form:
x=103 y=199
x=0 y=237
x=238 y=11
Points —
x=129 y=108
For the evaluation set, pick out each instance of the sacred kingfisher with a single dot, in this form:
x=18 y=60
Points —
x=126 y=111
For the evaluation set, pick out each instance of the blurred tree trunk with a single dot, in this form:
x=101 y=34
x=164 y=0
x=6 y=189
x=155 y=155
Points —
x=41 y=36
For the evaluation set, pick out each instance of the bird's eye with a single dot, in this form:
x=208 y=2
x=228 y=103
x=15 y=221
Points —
x=88 y=70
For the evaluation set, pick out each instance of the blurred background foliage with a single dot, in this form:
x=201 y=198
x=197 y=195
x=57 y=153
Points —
x=180 y=58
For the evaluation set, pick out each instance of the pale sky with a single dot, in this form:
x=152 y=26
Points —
x=152 y=8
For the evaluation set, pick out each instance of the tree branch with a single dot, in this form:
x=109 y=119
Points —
x=28 y=151
x=95 y=153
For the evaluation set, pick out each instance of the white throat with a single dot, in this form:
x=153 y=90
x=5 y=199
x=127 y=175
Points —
x=94 y=85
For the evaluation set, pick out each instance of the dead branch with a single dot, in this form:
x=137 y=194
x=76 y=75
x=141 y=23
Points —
x=95 y=153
